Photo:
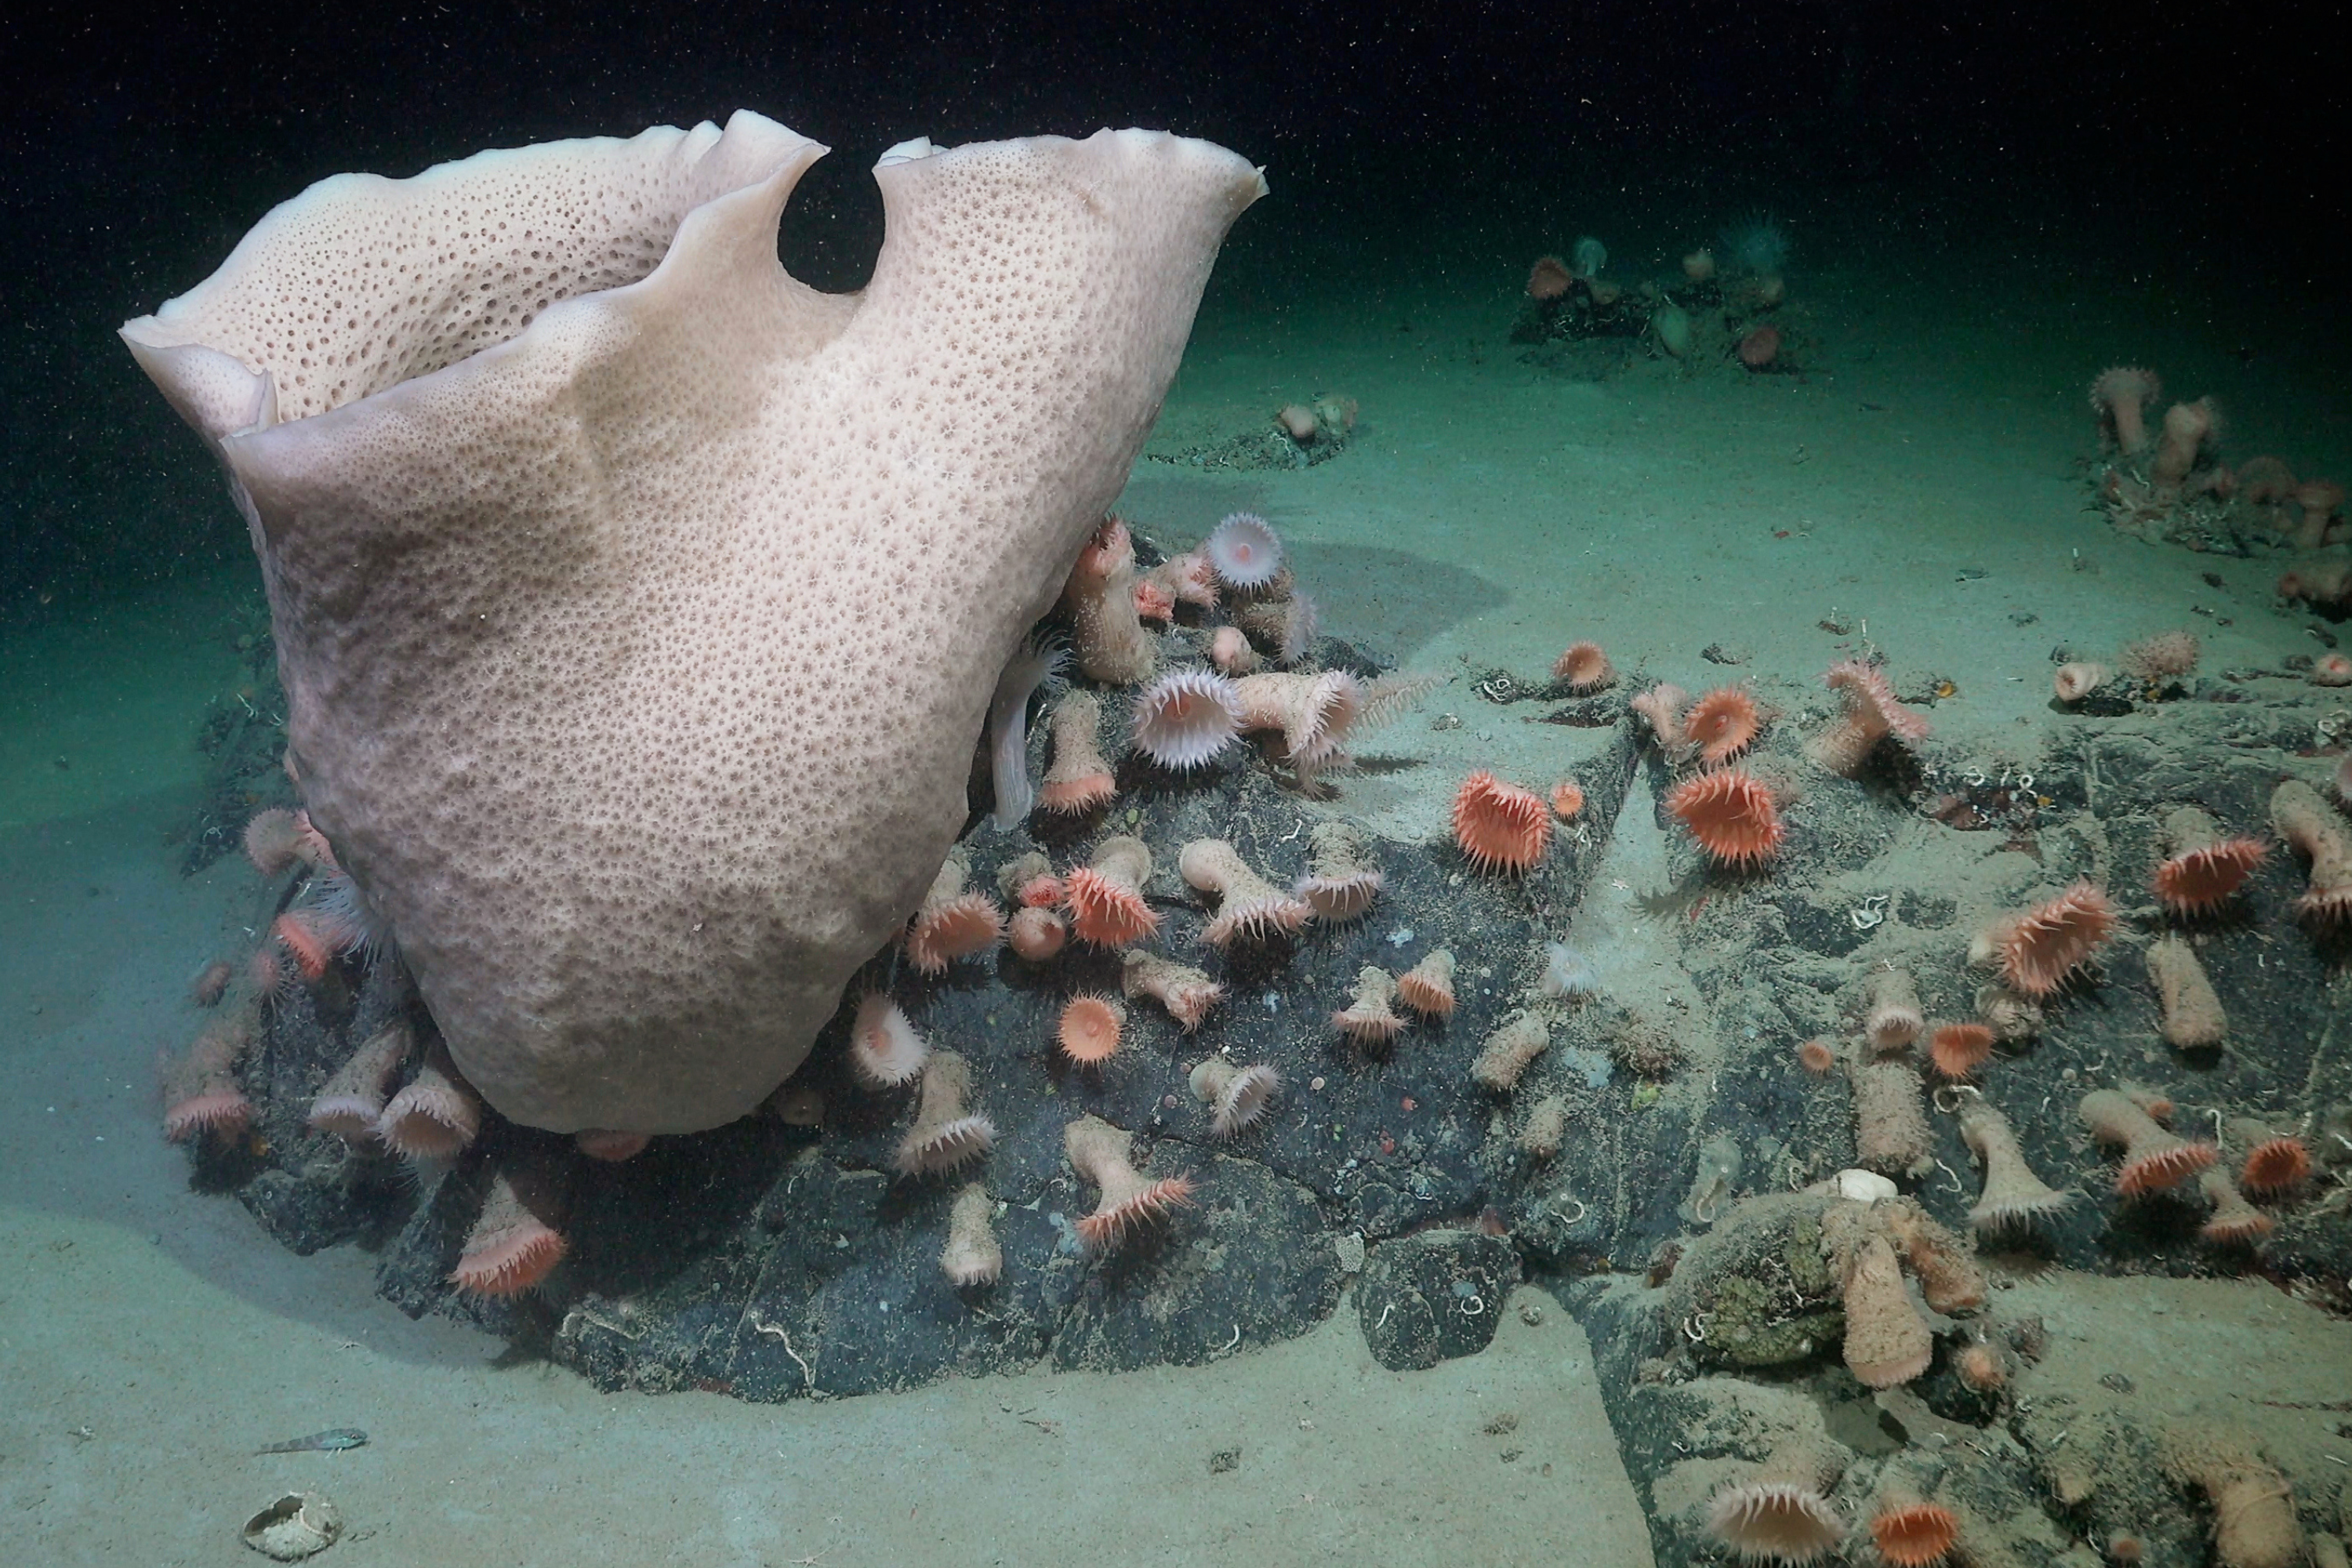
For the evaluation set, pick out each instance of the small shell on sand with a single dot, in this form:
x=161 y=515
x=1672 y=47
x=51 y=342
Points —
x=298 y=1525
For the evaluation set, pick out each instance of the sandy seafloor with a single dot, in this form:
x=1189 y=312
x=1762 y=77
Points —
x=1926 y=478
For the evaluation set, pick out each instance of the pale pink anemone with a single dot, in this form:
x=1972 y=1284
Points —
x=1774 y=1521
x=885 y=1051
x=1245 y=551
x=1186 y=717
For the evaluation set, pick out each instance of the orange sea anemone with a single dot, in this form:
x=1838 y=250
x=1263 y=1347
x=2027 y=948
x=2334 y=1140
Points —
x=1817 y=1057
x=1722 y=724
x=1154 y=601
x=310 y=845
x=2266 y=480
x=1130 y=1201
x=2040 y=947
x=351 y=1102
x=2013 y=1195
x=1090 y=1029
x=1584 y=667
x=1916 y=1534
x=1237 y=1096
x=1041 y=892
x=945 y=1136
x=953 y=921
x=1549 y=278
x=1106 y=897
x=1981 y=1367
x=1428 y=987
x=1895 y=1018
x=1730 y=815
x=314 y=934
x=1187 y=992
x=1872 y=713
x=272 y=841
x=610 y=1145
x=514 y=1244
x=1186 y=718
x=2188 y=426
x=1248 y=906
x=1190 y=577
x=1110 y=642
x=1959 y=1049
x=1367 y=1019
x=1243 y=550
x=1500 y=826
x=1108 y=549
x=2199 y=880
x=2234 y=1221
x=1342 y=878
x=1887 y=1342
x=972 y=1256
x=954 y=929
x=2306 y=821
x=212 y=982
x=2154 y=1157
x=1230 y=651
x=1568 y=800
x=435 y=1115
x=2275 y=1166
x=1036 y=934
x=200 y=1094
x=1080 y=778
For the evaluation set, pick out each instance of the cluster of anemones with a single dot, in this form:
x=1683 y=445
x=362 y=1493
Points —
x=2151 y=666
x=391 y=1094
x=1888 y=1065
x=1238 y=569
x=2155 y=467
x=1188 y=716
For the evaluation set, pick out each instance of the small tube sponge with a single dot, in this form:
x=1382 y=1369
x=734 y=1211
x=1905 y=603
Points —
x=1887 y=1342
x=1509 y=1051
x=2254 y=1523
x=1891 y=1135
x=2193 y=1019
x=972 y=1257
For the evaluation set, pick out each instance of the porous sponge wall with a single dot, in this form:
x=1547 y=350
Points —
x=635 y=669
x=364 y=283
